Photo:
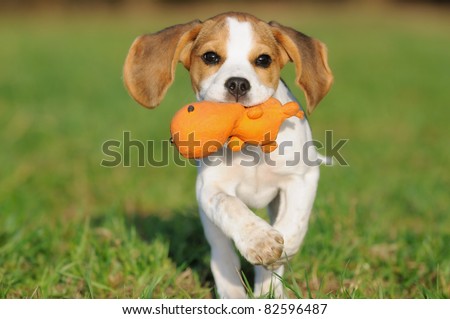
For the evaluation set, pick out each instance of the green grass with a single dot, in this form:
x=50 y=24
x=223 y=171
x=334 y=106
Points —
x=380 y=227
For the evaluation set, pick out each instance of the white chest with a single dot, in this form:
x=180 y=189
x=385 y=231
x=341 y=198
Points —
x=256 y=177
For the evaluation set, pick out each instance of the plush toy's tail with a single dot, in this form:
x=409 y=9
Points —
x=292 y=109
x=300 y=115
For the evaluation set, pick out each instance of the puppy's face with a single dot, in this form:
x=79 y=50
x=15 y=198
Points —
x=231 y=57
x=235 y=59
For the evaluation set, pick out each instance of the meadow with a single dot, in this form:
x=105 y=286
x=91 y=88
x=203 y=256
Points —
x=71 y=228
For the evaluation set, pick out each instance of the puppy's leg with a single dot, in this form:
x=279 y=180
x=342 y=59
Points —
x=289 y=213
x=256 y=240
x=296 y=199
x=225 y=264
x=268 y=281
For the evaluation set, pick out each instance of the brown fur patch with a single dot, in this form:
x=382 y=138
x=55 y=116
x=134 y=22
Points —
x=265 y=43
x=212 y=37
x=311 y=62
x=147 y=81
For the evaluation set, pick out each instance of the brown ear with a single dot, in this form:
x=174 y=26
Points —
x=313 y=74
x=150 y=64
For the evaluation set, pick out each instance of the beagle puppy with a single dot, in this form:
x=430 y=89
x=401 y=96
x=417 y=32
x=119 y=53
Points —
x=235 y=57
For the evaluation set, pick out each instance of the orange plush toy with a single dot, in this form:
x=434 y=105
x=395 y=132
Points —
x=200 y=129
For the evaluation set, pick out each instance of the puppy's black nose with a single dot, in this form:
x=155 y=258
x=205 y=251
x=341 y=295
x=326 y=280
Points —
x=237 y=87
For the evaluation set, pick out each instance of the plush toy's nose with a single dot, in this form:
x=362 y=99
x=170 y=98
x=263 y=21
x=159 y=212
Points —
x=237 y=87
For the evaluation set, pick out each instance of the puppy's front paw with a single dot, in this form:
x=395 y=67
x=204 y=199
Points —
x=263 y=245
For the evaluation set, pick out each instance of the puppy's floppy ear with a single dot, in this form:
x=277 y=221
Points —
x=313 y=74
x=150 y=64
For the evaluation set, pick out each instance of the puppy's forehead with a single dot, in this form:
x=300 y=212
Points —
x=238 y=29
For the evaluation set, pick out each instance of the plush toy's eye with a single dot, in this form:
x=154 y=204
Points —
x=190 y=108
x=211 y=58
x=263 y=61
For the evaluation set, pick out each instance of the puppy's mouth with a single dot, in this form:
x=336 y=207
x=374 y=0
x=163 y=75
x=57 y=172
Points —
x=248 y=105
x=245 y=101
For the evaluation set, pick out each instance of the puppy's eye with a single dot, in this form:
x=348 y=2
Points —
x=263 y=61
x=211 y=58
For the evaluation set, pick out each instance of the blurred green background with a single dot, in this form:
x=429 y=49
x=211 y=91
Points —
x=70 y=228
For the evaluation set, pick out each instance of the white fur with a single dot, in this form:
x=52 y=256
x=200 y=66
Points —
x=237 y=64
